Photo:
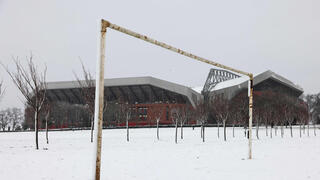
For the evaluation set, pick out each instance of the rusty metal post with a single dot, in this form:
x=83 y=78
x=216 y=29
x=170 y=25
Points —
x=250 y=89
x=99 y=98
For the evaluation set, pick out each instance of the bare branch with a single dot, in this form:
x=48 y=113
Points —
x=32 y=85
x=2 y=90
x=87 y=88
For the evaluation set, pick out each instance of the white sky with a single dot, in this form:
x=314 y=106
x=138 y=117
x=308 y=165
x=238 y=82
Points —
x=250 y=35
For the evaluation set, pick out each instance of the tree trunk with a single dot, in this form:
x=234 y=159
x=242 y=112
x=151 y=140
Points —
x=300 y=130
x=47 y=136
x=201 y=130
x=245 y=131
x=271 y=131
x=257 y=129
x=127 y=125
x=224 y=130
x=308 y=129
x=158 y=129
x=13 y=126
x=203 y=135
x=36 y=126
x=218 y=130
x=291 y=129
x=181 y=127
x=276 y=130
x=176 y=138
x=92 y=125
x=233 y=130
x=304 y=128
x=282 y=131
x=266 y=130
x=314 y=129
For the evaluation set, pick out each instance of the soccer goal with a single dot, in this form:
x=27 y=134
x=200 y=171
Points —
x=100 y=85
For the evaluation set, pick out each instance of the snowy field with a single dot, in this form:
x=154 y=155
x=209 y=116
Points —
x=69 y=156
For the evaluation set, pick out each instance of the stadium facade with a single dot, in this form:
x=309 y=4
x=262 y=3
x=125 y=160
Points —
x=221 y=81
x=148 y=93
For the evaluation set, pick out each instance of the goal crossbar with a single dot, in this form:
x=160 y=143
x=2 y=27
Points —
x=171 y=48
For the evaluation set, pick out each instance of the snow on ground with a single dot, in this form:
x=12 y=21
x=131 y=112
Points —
x=69 y=156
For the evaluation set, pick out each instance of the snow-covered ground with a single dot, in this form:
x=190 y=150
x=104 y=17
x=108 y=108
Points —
x=69 y=156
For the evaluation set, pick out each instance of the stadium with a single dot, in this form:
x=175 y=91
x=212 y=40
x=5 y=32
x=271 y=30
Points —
x=69 y=109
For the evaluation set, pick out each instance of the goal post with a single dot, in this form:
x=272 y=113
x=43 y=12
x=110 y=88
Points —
x=100 y=84
x=98 y=108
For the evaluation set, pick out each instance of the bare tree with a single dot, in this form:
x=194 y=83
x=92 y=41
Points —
x=261 y=104
x=316 y=112
x=32 y=85
x=233 y=119
x=127 y=116
x=47 y=110
x=175 y=116
x=4 y=120
x=186 y=113
x=302 y=114
x=313 y=103
x=265 y=111
x=118 y=114
x=238 y=111
x=240 y=106
x=290 y=103
x=126 y=112
x=202 y=112
x=278 y=113
x=269 y=118
x=157 y=113
x=8 y=118
x=17 y=118
x=88 y=94
x=221 y=109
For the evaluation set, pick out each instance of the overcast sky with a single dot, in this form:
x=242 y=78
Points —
x=250 y=35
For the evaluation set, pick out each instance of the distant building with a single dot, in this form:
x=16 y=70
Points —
x=232 y=85
x=145 y=93
x=221 y=81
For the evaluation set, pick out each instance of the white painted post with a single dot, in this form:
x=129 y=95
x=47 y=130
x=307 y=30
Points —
x=250 y=115
x=99 y=97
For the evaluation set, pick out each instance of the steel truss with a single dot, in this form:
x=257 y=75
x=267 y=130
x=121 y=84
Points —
x=216 y=76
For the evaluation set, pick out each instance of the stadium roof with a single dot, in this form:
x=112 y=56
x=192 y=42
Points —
x=234 y=85
x=139 y=89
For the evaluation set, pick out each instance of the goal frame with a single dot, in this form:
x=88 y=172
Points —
x=99 y=98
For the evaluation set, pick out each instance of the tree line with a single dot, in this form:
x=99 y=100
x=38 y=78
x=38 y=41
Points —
x=11 y=119
x=273 y=108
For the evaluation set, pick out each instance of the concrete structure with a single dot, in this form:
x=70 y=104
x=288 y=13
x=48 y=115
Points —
x=136 y=90
x=149 y=93
x=235 y=88
x=143 y=93
x=261 y=81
